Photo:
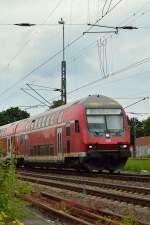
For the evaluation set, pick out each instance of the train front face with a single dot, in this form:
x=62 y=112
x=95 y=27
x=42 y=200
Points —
x=107 y=139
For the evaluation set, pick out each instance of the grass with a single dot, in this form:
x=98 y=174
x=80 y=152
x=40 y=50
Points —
x=137 y=165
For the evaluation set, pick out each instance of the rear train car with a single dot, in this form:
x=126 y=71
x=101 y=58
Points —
x=90 y=134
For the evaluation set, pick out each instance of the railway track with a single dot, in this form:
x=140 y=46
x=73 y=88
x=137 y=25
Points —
x=73 y=212
x=133 y=189
x=116 y=176
x=139 y=196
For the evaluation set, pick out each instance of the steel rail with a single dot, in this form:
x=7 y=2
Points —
x=133 y=189
x=89 y=191
x=116 y=176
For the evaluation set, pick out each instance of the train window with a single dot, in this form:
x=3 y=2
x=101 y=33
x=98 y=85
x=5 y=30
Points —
x=52 y=119
x=76 y=126
x=46 y=150
x=38 y=150
x=68 y=128
x=27 y=126
x=114 y=123
x=32 y=124
x=36 y=123
x=43 y=122
x=103 y=111
x=47 y=120
x=60 y=117
x=51 y=147
x=34 y=150
x=21 y=139
x=39 y=122
x=42 y=147
x=68 y=146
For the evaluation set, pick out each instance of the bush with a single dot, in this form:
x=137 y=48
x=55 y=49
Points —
x=11 y=207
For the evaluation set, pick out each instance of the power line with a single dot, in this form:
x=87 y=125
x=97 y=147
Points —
x=57 y=53
x=29 y=40
x=136 y=102
x=131 y=66
x=38 y=93
x=34 y=97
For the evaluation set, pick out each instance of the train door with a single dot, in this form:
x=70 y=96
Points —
x=59 y=143
x=9 y=146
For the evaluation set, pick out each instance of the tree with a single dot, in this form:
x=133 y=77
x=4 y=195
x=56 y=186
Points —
x=139 y=128
x=56 y=104
x=136 y=129
x=146 y=125
x=12 y=114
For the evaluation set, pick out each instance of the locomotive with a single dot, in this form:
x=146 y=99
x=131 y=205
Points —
x=91 y=133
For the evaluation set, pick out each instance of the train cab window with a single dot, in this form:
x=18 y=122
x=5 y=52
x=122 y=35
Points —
x=76 y=126
x=105 y=121
x=60 y=117
x=52 y=119
x=68 y=128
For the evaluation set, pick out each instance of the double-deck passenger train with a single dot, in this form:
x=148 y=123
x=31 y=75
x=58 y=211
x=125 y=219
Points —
x=91 y=133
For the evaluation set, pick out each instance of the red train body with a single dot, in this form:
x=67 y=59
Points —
x=91 y=133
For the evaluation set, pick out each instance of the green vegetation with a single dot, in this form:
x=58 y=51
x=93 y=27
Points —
x=129 y=220
x=137 y=165
x=139 y=128
x=11 y=115
x=11 y=207
x=56 y=104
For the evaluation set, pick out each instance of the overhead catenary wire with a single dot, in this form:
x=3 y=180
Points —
x=57 y=53
x=134 y=103
x=22 y=89
x=29 y=40
x=124 y=69
x=38 y=93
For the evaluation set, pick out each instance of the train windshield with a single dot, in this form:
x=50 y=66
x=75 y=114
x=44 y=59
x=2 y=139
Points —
x=105 y=121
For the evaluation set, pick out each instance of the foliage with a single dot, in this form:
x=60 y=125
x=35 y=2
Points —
x=139 y=128
x=10 y=186
x=129 y=220
x=137 y=165
x=11 y=115
x=56 y=104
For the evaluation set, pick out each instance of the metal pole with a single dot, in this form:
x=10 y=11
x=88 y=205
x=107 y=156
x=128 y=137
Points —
x=63 y=69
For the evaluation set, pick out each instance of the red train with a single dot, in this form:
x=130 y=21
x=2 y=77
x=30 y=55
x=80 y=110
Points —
x=91 y=133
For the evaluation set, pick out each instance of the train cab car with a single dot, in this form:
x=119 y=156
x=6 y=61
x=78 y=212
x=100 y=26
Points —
x=91 y=133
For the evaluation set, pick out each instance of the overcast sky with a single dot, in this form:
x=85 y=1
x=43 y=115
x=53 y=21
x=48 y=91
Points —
x=119 y=63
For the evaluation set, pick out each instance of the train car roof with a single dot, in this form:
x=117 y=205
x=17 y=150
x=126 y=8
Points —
x=91 y=101
x=99 y=101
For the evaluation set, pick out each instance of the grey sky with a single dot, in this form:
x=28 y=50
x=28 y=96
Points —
x=24 y=49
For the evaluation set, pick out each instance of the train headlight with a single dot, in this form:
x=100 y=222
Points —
x=90 y=146
x=124 y=146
